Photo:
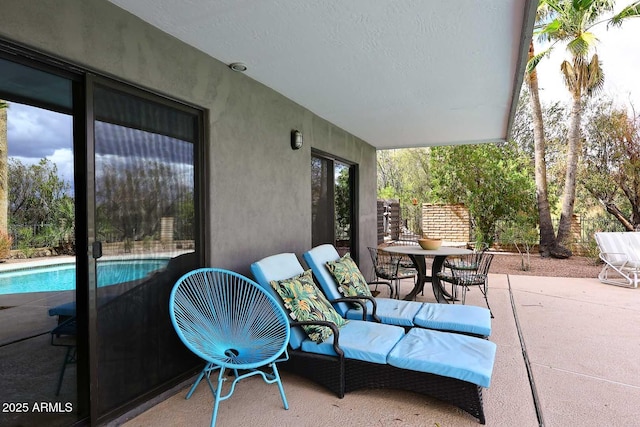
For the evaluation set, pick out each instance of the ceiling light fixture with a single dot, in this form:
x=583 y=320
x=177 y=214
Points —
x=238 y=66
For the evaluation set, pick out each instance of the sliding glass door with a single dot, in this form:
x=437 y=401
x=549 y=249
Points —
x=146 y=236
x=333 y=203
x=100 y=214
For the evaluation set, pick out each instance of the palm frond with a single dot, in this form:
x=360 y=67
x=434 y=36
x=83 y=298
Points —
x=553 y=5
x=581 y=45
x=550 y=30
x=569 y=74
x=595 y=76
x=631 y=11
x=533 y=62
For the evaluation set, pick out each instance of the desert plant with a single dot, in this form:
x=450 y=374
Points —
x=523 y=236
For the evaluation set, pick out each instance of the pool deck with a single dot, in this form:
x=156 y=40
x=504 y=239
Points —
x=16 y=264
x=30 y=316
x=567 y=356
x=578 y=338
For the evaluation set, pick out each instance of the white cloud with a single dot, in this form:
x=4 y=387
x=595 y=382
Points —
x=36 y=132
x=63 y=158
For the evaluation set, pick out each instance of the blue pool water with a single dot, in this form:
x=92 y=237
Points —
x=62 y=277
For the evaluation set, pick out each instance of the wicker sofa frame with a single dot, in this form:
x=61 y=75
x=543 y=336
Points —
x=342 y=375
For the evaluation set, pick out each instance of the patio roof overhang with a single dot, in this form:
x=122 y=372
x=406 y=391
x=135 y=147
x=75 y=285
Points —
x=395 y=73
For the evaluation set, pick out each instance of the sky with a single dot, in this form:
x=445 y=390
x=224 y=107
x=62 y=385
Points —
x=619 y=51
x=34 y=133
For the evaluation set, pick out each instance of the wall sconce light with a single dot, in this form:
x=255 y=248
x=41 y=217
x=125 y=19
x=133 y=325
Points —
x=296 y=139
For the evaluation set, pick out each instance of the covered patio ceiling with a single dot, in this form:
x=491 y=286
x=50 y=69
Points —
x=396 y=73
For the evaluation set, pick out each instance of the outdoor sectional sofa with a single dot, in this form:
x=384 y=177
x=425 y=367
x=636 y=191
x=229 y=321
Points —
x=465 y=319
x=362 y=354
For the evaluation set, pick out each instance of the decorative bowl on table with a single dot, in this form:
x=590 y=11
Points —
x=430 y=244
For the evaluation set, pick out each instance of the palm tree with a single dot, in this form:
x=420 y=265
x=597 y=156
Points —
x=570 y=21
x=4 y=181
x=548 y=245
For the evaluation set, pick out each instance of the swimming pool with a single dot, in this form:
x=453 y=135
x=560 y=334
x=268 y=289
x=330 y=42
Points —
x=62 y=277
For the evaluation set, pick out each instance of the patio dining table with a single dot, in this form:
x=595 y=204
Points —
x=418 y=256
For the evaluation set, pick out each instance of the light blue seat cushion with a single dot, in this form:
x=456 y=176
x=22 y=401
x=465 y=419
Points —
x=366 y=341
x=468 y=319
x=67 y=309
x=317 y=259
x=279 y=267
x=390 y=311
x=458 y=356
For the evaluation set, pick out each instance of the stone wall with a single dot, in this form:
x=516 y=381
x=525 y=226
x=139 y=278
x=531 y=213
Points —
x=448 y=222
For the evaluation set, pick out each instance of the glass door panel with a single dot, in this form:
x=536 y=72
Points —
x=343 y=196
x=332 y=204
x=322 y=201
x=38 y=346
x=145 y=239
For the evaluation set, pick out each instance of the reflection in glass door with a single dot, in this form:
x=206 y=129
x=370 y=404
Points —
x=145 y=238
x=38 y=346
x=332 y=203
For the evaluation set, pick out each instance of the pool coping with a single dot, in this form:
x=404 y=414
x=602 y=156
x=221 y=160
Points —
x=67 y=259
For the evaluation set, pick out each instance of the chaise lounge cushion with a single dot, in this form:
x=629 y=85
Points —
x=66 y=310
x=451 y=355
x=305 y=301
x=366 y=341
x=317 y=259
x=468 y=319
x=348 y=277
x=465 y=319
x=390 y=311
x=279 y=267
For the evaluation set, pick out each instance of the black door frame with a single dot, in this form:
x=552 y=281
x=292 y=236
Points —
x=353 y=184
x=83 y=81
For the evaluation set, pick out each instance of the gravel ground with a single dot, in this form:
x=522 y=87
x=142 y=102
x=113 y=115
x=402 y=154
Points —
x=575 y=266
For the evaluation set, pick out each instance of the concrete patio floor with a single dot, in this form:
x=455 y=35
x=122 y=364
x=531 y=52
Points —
x=578 y=337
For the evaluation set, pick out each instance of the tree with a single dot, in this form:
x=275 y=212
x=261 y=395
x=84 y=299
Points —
x=403 y=174
x=548 y=245
x=41 y=211
x=131 y=200
x=492 y=180
x=4 y=157
x=570 y=21
x=35 y=192
x=555 y=132
x=343 y=201
x=611 y=168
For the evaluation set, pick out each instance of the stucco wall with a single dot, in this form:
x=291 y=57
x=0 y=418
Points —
x=259 y=189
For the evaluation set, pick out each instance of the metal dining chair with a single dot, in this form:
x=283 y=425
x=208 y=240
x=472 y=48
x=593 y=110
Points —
x=388 y=267
x=466 y=271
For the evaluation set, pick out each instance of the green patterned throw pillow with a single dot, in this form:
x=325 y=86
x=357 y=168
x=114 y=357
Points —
x=305 y=301
x=348 y=277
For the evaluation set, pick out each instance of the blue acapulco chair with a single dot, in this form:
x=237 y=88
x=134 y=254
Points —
x=233 y=324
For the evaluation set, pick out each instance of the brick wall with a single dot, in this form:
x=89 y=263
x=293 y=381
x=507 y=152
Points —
x=448 y=222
